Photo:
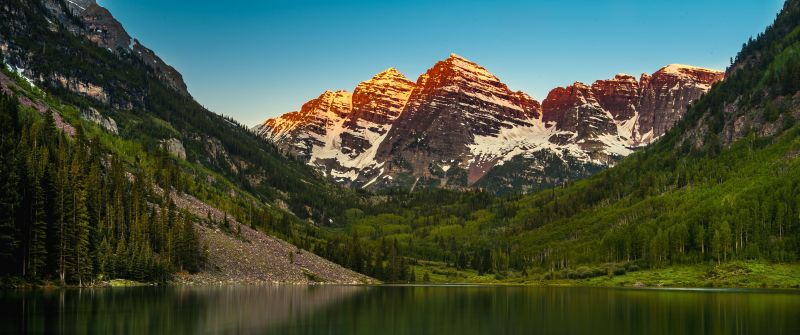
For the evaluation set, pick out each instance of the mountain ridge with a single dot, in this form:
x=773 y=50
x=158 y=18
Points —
x=459 y=122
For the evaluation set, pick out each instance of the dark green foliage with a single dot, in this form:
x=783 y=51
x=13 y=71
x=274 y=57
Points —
x=9 y=179
x=66 y=208
x=188 y=254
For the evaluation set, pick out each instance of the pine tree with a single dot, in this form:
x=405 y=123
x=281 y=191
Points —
x=37 y=229
x=9 y=180
x=61 y=212
x=191 y=244
x=105 y=255
x=83 y=263
x=121 y=261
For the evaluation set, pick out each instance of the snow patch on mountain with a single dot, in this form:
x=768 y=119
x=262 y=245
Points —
x=458 y=115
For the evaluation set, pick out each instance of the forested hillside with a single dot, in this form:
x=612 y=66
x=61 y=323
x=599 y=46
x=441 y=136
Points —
x=97 y=150
x=72 y=212
x=723 y=185
x=46 y=42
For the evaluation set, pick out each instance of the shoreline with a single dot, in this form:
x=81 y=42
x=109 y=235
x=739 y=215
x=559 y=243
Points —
x=730 y=276
x=536 y=284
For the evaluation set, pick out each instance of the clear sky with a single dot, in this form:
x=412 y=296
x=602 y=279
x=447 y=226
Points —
x=255 y=59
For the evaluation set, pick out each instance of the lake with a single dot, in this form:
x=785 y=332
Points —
x=398 y=310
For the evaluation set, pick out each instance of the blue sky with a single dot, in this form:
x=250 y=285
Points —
x=254 y=59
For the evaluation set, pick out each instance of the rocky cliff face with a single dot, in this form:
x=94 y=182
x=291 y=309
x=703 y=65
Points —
x=666 y=95
x=459 y=126
x=303 y=131
x=613 y=116
x=103 y=29
x=455 y=102
x=340 y=132
x=86 y=19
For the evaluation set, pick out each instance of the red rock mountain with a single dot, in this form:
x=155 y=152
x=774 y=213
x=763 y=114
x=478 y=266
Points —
x=635 y=111
x=460 y=126
x=340 y=132
x=453 y=103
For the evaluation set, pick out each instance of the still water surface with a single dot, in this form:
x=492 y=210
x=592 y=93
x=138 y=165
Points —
x=397 y=310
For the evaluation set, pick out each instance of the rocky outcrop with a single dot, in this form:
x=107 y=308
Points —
x=92 y=115
x=9 y=86
x=90 y=90
x=577 y=117
x=620 y=95
x=666 y=95
x=175 y=147
x=458 y=123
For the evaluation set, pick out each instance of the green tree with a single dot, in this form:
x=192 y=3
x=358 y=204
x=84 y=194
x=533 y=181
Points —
x=726 y=239
x=37 y=231
x=9 y=180
x=83 y=262
x=716 y=245
x=700 y=239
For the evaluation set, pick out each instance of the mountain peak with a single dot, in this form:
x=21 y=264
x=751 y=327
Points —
x=78 y=6
x=462 y=67
x=456 y=56
x=681 y=69
x=390 y=73
x=579 y=84
x=338 y=94
x=624 y=77
x=460 y=115
x=456 y=59
x=103 y=29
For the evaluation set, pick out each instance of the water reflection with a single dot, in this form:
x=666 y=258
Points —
x=397 y=310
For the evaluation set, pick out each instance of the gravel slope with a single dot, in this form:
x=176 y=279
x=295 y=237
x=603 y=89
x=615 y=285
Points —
x=256 y=257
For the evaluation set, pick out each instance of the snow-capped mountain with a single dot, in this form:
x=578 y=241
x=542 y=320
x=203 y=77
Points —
x=459 y=126
x=340 y=132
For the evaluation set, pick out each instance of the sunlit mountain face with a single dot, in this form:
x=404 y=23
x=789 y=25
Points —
x=458 y=125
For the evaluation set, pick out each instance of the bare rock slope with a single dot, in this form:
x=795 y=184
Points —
x=248 y=256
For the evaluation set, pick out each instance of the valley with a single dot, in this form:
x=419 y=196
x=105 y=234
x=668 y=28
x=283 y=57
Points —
x=112 y=170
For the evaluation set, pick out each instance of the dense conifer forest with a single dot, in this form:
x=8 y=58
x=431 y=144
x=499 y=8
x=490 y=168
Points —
x=72 y=213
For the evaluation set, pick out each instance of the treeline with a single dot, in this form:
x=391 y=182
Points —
x=762 y=223
x=71 y=213
x=654 y=210
x=383 y=261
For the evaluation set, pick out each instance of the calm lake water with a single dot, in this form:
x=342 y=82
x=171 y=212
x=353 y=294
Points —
x=397 y=310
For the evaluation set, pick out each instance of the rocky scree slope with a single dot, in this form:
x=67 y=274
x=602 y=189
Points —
x=459 y=126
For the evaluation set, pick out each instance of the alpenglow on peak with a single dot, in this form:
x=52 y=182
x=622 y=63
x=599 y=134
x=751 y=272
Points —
x=459 y=126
